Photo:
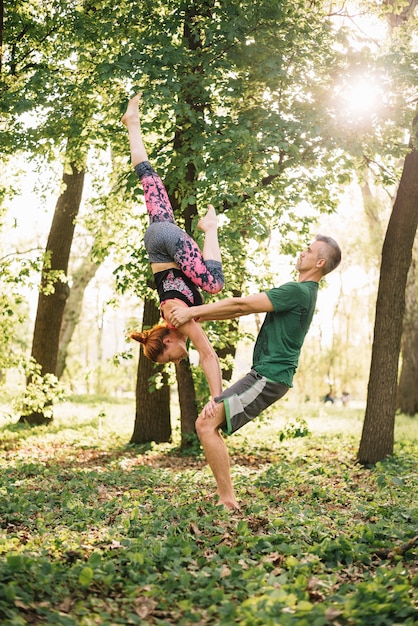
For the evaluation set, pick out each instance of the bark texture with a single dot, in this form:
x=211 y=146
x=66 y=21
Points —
x=408 y=380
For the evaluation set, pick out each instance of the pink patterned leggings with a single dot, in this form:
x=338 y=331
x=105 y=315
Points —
x=166 y=242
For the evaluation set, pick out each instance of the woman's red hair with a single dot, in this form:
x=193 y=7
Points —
x=152 y=340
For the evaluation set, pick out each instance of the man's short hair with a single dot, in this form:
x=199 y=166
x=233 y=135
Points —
x=331 y=252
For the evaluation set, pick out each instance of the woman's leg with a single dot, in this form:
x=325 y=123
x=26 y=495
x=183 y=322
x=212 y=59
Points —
x=131 y=121
x=156 y=198
x=205 y=270
x=209 y=225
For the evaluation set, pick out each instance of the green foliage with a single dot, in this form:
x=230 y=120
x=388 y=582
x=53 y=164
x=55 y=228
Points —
x=41 y=393
x=17 y=272
x=297 y=427
x=92 y=531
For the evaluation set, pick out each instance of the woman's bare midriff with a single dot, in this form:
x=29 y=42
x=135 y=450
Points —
x=161 y=267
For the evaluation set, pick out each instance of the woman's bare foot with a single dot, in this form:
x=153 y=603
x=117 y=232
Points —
x=209 y=221
x=229 y=503
x=132 y=110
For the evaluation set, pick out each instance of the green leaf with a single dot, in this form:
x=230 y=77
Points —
x=86 y=576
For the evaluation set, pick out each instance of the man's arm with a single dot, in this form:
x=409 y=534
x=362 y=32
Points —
x=221 y=310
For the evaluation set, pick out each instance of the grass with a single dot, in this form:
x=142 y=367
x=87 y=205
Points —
x=95 y=531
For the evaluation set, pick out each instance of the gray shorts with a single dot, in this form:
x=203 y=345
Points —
x=161 y=241
x=247 y=398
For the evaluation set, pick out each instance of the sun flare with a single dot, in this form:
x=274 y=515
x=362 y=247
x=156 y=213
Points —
x=359 y=98
x=362 y=96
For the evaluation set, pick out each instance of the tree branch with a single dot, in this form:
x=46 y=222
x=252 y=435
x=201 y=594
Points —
x=391 y=553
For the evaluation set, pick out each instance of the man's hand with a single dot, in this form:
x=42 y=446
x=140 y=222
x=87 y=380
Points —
x=209 y=409
x=178 y=314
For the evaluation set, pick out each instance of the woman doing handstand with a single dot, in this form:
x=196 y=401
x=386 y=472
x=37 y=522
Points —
x=178 y=265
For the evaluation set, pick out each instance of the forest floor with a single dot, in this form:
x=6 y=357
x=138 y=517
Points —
x=94 y=530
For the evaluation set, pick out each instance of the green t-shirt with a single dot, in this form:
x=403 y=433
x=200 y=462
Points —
x=278 y=345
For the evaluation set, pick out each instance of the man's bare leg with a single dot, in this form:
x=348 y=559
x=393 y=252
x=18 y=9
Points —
x=209 y=225
x=131 y=121
x=217 y=455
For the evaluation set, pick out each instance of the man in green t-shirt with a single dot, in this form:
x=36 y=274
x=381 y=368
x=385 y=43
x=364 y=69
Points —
x=289 y=309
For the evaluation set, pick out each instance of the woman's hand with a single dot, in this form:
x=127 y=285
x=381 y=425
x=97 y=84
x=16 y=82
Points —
x=209 y=409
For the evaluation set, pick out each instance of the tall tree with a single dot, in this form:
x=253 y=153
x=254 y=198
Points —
x=377 y=437
x=1 y=32
x=408 y=379
x=377 y=440
x=54 y=288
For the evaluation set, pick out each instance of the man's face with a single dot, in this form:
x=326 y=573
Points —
x=309 y=257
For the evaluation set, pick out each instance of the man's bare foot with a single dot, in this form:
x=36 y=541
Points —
x=209 y=221
x=132 y=110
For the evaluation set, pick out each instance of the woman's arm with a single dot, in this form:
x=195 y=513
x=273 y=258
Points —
x=208 y=359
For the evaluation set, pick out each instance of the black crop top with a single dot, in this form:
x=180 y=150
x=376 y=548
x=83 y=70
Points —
x=172 y=284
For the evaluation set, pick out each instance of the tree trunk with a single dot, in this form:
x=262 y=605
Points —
x=1 y=33
x=185 y=384
x=80 y=279
x=401 y=12
x=51 y=305
x=378 y=430
x=152 y=416
x=408 y=380
x=187 y=402
x=407 y=394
